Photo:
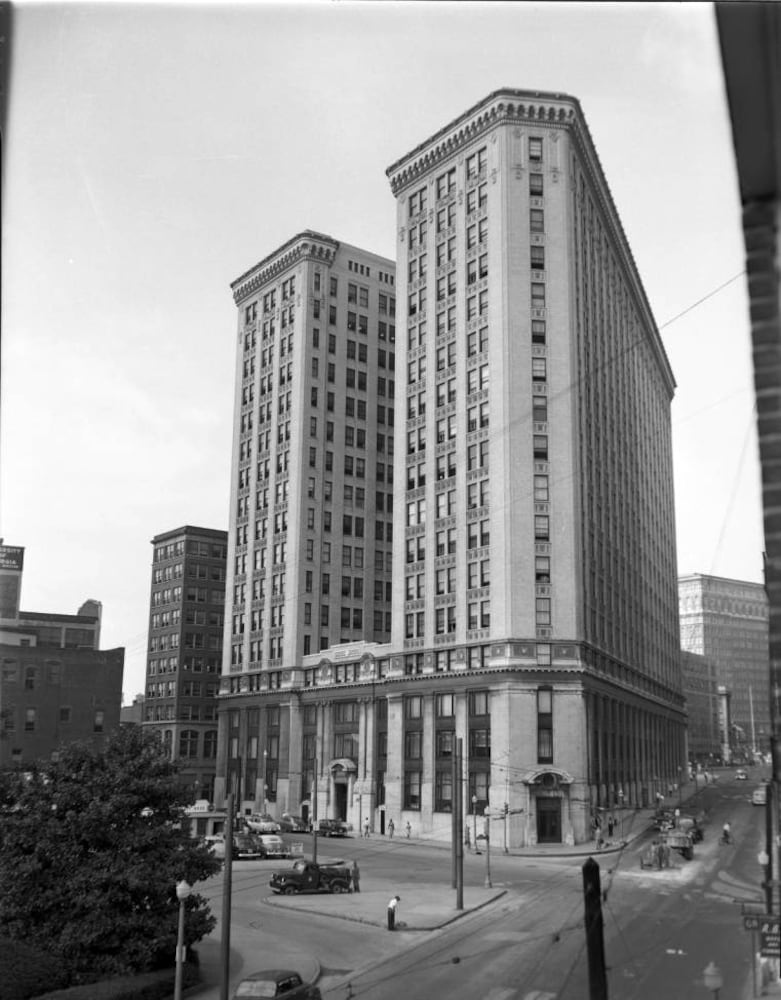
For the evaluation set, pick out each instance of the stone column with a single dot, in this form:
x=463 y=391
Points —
x=394 y=774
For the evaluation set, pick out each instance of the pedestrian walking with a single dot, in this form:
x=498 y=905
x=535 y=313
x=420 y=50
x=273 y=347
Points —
x=409 y=829
x=392 y=906
x=366 y=827
x=610 y=824
x=390 y=828
x=355 y=878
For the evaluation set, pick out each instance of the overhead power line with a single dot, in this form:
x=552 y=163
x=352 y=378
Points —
x=704 y=298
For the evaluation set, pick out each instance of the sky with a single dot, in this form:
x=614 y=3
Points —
x=155 y=152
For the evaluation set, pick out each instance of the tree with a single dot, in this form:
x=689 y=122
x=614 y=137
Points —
x=92 y=846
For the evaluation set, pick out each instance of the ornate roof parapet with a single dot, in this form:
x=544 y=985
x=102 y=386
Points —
x=307 y=245
x=502 y=107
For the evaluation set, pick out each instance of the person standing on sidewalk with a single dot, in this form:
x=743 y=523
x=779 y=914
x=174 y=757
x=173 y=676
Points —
x=392 y=905
x=366 y=827
x=409 y=829
x=355 y=878
x=390 y=828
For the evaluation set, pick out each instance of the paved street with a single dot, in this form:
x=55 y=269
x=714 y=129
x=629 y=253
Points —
x=521 y=939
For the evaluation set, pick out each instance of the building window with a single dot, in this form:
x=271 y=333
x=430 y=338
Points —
x=412 y=789
x=98 y=721
x=541 y=447
x=30 y=720
x=542 y=526
x=535 y=149
x=537 y=254
x=535 y=185
x=544 y=725
x=542 y=608
x=413 y=707
x=443 y=789
x=538 y=295
x=539 y=370
x=538 y=331
x=536 y=220
x=478 y=703
x=188 y=743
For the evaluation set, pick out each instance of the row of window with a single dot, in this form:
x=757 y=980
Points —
x=215 y=550
x=30 y=723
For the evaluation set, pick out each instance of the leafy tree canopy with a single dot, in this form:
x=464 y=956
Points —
x=91 y=849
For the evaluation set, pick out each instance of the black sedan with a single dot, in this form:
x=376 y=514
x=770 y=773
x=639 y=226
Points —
x=276 y=983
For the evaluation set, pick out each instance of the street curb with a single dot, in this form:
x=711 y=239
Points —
x=272 y=901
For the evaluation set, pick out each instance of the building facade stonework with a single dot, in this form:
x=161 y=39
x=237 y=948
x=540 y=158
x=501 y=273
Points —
x=534 y=602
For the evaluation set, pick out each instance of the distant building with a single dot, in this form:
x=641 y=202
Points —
x=726 y=621
x=700 y=688
x=56 y=684
x=186 y=619
x=133 y=714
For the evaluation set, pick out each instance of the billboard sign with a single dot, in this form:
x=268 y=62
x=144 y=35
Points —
x=11 y=557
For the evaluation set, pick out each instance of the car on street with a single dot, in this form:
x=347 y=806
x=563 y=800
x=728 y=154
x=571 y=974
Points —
x=261 y=823
x=308 y=876
x=292 y=824
x=246 y=845
x=276 y=983
x=759 y=796
x=216 y=844
x=272 y=845
x=741 y=775
x=332 y=828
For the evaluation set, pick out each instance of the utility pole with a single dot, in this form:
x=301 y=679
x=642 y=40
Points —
x=227 y=876
x=460 y=837
x=314 y=818
x=595 y=942
x=487 y=849
x=454 y=820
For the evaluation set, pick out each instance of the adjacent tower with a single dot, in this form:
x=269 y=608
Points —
x=311 y=492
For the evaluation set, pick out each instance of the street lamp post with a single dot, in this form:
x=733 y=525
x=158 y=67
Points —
x=474 y=823
x=265 y=781
x=712 y=979
x=621 y=814
x=487 y=849
x=183 y=890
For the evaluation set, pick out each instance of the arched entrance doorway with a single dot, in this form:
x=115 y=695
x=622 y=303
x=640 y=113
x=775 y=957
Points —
x=343 y=771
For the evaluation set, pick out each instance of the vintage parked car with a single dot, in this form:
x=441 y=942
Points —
x=216 y=844
x=292 y=824
x=759 y=796
x=306 y=876
x=261 y=823
x=272 y=845
x=332 y=828
x=276 y=983
x=246 y=846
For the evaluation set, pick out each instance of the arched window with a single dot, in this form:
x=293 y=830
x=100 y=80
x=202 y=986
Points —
x=210 y=743
x=188 y=743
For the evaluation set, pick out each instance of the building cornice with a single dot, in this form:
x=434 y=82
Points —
x=502 y=107
x=307 y=245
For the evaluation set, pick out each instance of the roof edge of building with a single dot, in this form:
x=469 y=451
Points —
x=189 y=529
x=306 y=234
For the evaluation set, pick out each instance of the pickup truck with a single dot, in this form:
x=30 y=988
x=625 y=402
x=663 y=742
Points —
x=306 y=876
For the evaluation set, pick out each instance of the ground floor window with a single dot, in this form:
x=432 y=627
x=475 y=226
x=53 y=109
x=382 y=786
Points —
x=412 y=789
